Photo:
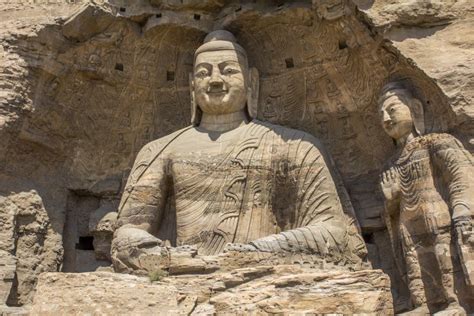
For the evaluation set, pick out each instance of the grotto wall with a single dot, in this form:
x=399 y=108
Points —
x=437 y=36
x=84 y=85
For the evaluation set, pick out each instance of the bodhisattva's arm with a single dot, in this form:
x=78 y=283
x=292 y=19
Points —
x=390 y=188
x=140 y=211
x=457 y=169
x=321 y=227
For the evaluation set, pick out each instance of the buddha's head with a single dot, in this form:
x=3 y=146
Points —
x=222 y=81
x=401 y=113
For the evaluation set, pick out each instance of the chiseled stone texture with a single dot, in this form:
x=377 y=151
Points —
x=29 y=246
x=258 y=290
x=79 y=99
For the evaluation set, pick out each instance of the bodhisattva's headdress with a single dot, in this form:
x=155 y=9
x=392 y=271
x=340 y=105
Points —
x=221 y=41
x=398 y=89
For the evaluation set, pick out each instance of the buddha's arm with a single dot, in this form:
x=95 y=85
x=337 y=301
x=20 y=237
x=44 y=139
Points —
x=457 y=168
x=320 y=226
x=140 y=212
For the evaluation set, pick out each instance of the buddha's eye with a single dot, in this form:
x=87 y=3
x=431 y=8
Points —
x=230 y=71
x=392 y=109
x=201 y=73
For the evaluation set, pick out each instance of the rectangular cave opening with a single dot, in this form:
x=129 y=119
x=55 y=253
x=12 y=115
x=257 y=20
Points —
x=122 y=9
x=119 y=66
x=78 y=240
x=85 y=243
x=158 y=15
x=289 y=63
x=342 y=44
x=170 y=76
x=197 y=17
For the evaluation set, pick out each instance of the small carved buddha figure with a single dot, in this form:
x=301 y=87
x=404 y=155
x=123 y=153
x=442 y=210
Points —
x=428 y=187
x=231 y=182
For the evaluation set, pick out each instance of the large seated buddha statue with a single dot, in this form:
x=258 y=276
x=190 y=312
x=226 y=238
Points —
x=230 y=182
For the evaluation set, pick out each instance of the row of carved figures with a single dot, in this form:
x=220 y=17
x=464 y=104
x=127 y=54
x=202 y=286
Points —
x=230 y=182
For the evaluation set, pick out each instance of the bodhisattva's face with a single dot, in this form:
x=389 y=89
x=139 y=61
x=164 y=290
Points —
x=220 y=81
x=396 y=117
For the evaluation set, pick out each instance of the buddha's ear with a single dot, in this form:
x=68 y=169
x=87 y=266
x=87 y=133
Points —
x=195 y=111
x=418 y=116
x=252 y=92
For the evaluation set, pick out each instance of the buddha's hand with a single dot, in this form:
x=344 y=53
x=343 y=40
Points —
x=239 y=247
x=390 y=184
x=135 y=250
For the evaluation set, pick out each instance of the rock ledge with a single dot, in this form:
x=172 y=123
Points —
x=281 y=289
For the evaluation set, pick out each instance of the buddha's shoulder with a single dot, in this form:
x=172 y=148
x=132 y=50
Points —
x=157 y=146
x=287 y=134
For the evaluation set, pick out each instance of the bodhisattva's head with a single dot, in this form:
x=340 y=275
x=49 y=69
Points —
x=401 y=113
x=222 y=82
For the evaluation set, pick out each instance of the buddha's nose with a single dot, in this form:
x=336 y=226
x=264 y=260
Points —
x=216 y=84
x=386 y=118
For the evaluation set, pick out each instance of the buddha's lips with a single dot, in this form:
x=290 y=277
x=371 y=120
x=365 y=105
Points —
x=389 y=125
x=217 y=92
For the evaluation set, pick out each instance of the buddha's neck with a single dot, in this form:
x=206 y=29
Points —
x=222 y=122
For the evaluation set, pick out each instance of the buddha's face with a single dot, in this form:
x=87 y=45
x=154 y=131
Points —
x=396 y=117
x=220 y=81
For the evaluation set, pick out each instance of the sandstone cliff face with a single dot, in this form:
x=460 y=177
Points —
x=29 y=246
x=437 y=36
x=85 y=85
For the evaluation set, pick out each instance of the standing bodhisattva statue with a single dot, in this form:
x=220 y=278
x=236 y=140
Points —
x=428 y=188
x=230 y=182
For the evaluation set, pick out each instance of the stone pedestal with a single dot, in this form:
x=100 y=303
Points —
x=283 y=289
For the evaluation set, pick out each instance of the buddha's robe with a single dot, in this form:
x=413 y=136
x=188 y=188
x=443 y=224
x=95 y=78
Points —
x=260 y=184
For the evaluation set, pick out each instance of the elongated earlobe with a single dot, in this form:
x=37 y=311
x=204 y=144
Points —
x=418 y=116
x=195 y=111
x=253 y=92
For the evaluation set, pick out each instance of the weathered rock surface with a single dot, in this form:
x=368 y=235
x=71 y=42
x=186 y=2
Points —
x=437 y=36
x=78 y=100
x=259 y=290
x=7 y=274
x=28 y=246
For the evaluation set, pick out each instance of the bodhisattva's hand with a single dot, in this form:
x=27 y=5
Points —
x=134 y=249
x=239 y=247
x=390 y=185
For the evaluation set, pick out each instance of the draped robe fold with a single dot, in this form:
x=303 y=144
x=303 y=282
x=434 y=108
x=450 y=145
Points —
x=435 y=175
x=270 y=186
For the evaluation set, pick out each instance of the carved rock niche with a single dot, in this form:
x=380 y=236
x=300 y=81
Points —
x=114 y=76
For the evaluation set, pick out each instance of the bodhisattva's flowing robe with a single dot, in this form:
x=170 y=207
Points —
x=435 y=175
x=268 y=185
